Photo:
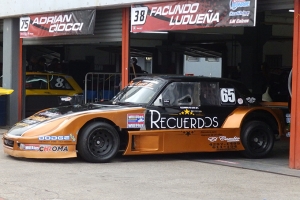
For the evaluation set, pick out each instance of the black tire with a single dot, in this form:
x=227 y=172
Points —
x=98 y=142
x=257 y=139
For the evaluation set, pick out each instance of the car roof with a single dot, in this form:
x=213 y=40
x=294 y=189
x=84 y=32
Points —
x=45 y=73
x=172 y=78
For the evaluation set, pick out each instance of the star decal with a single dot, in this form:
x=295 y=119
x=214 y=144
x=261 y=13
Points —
x=186 y=112
x=188 y=133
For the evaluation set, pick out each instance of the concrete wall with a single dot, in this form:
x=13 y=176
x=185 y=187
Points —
x=202 y=67
x=11 y=8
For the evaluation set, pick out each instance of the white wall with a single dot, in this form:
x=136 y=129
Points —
x=203 y=67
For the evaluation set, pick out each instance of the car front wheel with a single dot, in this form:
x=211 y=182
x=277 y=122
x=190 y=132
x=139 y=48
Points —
x=98 y=142
x=257 y=139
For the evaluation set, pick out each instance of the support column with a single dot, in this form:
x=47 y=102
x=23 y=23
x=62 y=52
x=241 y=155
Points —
x=294 y=161
x=252 y=42
x=125 y=46
x=12 y=69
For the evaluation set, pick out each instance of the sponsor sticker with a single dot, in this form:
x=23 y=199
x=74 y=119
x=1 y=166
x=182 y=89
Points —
x=65 y=98
x=44 y=148
x=190 y=108
x=251 y=99
x=223 y=139
x=212 y=139
x=30 y=147
x=234 y=139
x=49 y=148
x=54 y=138
x=186 y=119
x=48 y=114
x=288 y=118
x=240 y=101
x=219 y=146
x=135 y=120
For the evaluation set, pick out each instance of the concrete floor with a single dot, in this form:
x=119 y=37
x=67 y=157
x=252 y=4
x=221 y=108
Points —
x=277 y=163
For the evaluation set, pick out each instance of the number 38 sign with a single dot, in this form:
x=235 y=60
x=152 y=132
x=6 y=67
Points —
x=138 y=15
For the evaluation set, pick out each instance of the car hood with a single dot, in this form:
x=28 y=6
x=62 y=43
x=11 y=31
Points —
x=59 y=112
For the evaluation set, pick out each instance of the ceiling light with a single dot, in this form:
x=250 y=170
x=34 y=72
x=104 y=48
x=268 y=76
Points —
x=156 y=32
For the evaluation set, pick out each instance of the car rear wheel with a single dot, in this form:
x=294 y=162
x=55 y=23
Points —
x=257 y=139
x=98 y=142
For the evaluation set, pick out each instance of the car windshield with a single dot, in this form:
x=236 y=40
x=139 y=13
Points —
x=139 y=91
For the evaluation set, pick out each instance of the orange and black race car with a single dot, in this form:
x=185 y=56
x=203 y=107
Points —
x=152 y=115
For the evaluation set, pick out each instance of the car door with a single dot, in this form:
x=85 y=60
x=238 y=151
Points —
x=187 y=115
x=176 y=101
x=218 y=100
x=175 y=117
x=195 y=105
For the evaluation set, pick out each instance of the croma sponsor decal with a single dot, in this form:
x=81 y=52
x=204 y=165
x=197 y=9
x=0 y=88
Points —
x=180 y=121
x=37 y=147
x=53 y=148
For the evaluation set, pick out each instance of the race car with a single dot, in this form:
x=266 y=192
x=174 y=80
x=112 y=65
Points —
x=5 y=91
x=50 y=89
x=152 y=115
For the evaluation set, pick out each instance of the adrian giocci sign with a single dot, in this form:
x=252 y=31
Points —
x=192 y=14
x=55 y=24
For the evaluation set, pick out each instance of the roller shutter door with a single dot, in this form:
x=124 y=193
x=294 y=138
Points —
x=263 y=5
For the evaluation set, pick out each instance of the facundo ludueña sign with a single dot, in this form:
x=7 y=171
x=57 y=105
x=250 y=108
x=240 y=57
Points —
x=185 y=14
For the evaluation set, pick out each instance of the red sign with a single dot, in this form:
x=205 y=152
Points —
x=192 y=14
x=56 y=24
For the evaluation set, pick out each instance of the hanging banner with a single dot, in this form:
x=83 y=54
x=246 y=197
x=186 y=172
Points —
x=56 y=24
x=192 y=14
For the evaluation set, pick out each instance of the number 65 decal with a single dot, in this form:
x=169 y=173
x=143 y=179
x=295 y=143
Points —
x=227 y=95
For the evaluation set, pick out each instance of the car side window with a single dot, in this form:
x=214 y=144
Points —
x=181 y=94
x=36 y=82
x=209 y=93
x=59 y=83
